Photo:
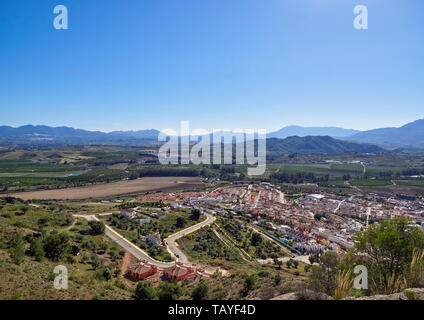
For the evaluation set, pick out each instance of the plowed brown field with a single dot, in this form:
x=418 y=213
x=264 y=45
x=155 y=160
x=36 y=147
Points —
x=113 y=189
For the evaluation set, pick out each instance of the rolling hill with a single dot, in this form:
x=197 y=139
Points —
x=318 y=145
x=411 y=135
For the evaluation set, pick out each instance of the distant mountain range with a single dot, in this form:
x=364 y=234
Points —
x=411 y=135
x=30 y=134
x=407 y=137
x=299 y=131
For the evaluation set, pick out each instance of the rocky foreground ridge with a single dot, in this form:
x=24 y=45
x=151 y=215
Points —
x=408 y=294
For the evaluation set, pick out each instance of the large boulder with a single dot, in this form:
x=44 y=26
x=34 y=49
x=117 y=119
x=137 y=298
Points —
x=303 y=295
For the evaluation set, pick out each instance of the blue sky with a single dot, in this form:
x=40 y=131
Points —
x=137 y=64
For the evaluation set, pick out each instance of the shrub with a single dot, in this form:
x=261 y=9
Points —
x=411 y=294
x=97 y=227
x=277 y=279
x=145 y=291
x=389 y=248
x=263 y=273
x=219 y=292
x=415 y=272
x=17 y=252
x=104 y=274
x=36 y=250
x=56 y=246
x=200 y=292
x=169 y=291
x=120 y=284
x=249 y=284
x=343 y=284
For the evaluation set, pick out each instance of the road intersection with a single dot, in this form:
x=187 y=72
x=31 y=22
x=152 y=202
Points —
x=171 y=245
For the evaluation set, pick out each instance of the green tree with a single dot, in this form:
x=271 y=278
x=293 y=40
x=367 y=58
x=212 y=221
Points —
x=278 y=263
x=56 y=246
x=323 y=276
x=36 y=250
x=249 y=284
x=195 y=214
x=386 y=249
x=277 y=279
x=169 y=291
x=181 y=222
x=17 y=252
x=256 y=239
x=145 y=291
x=200 y=292
x=97 y=227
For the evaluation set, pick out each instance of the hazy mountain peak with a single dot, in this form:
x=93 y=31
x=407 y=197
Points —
x=300 y=131
x=410 y=135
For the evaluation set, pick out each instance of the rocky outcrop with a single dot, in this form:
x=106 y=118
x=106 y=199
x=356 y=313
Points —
x=408 y=294
x=303 y=295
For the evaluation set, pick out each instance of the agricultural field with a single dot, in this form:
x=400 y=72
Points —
x=251 y=242
x=73 y=168
x=114 y=189
x=204 y=246
x=413 y=182
x=333 y=171
x=370 y=183
x=40 y=174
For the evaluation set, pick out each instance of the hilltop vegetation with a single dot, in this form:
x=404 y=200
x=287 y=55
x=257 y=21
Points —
x=316 y=145
x=392 y=252
x=34 y=238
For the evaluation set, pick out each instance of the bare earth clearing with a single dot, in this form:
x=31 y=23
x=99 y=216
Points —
x=113 y=189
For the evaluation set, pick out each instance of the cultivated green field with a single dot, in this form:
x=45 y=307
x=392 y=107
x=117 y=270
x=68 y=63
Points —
x=40 y=174
x=370 y=183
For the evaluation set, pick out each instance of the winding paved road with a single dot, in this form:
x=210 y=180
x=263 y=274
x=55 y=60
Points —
x=172 y=245
x=170 y=241
x=126 y=244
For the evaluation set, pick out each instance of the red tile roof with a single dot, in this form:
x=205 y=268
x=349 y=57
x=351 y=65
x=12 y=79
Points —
x=141 y=268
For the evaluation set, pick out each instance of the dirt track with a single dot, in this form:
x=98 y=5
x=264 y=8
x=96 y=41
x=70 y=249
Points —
x=113 y=189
